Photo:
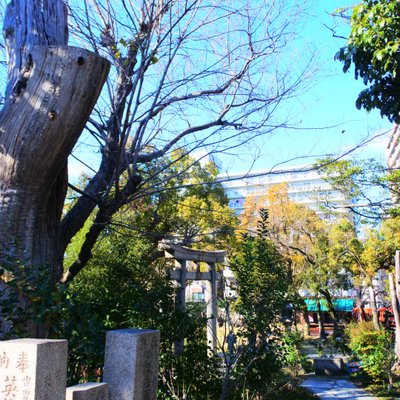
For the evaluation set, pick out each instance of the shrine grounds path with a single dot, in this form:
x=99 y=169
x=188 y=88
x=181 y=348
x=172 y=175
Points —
x=331 y=387
x=334 y=387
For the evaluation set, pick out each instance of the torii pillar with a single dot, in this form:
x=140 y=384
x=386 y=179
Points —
x=182 y=255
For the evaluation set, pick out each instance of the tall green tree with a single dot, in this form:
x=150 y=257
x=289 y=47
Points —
x=303 y=237
x=262 y=286
x=362 y=258
x=191 y=208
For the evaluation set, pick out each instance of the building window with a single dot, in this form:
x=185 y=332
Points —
x=198 y=297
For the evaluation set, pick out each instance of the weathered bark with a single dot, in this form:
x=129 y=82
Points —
x=29 y=23
x=39 y=127
x=51 y=91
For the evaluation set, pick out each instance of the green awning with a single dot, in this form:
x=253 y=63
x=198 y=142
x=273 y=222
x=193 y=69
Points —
x=345 y=305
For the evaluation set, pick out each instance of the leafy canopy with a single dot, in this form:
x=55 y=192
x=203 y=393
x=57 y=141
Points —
x=373 y=49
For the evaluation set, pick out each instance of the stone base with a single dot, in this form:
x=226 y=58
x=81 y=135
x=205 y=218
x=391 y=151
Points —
x=328 y=366
x=87 y=391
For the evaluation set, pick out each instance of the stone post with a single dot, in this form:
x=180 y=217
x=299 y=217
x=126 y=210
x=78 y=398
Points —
x=180 y=300
x=88 y=391
x=33 y=369
x=212 y=313
x=131 y=364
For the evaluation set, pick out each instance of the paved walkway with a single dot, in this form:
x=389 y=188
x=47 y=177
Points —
x=331 y=388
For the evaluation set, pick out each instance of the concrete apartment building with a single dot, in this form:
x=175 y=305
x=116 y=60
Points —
x=393 y=157
x=305 y=186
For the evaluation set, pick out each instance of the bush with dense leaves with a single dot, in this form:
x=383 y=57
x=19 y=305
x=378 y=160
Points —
x=374 y=348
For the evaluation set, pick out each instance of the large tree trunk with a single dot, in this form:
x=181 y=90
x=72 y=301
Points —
x=362 y=316
x=322 y=334
x=306 y=328
x=396 y=313
x=332 y=312
x=51 y=91
x=374 y=309
x=394 y=285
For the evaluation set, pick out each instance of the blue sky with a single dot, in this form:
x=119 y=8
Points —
x=330 y=102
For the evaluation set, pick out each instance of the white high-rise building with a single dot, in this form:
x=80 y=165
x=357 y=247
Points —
x=393 y=148
x=305 y=186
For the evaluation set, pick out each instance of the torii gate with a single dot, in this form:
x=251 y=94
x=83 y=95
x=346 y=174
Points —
x=182 y=255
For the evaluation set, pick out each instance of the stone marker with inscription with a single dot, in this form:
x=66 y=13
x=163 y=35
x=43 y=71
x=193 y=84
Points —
x=33 y=369
x=131 y=364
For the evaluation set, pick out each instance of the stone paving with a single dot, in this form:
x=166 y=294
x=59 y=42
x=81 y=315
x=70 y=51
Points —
x=335 y=387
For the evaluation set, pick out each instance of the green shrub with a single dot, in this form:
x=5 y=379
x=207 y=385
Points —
x=30 y=298
x=262 y=286
x=374 y=348
x=355 y=330
x=294 y=362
